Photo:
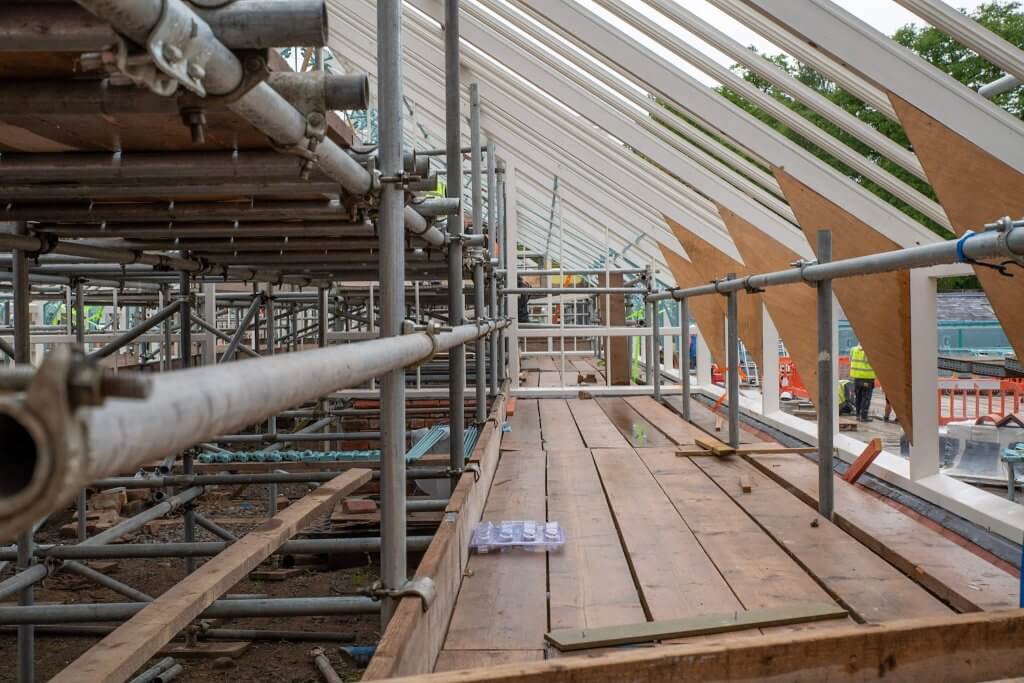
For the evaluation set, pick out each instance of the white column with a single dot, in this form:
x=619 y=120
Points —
x=769 y=365
x=924 y=452
x=703 y=361
x=511 y=246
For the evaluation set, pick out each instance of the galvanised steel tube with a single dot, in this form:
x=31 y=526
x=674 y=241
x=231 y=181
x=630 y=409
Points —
x=261 y=106
x=196 y=320
x=134 y=333
x=733 y=359
x=577 y=271
x=392 y=300
x=997 y=241
x=438 y=206
x=207 y=634
x=656 y=349
x=826 y=381
x=684 y=355
x=492 y=241
x=133 y=551
x=272 y=437
x=243 y=327
x=159 y=482
x=456 y=300
x=477 y=229
x=221 y=609
x=39 y=572
x=26 y=540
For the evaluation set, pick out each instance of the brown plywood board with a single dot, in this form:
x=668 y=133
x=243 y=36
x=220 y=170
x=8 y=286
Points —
x=705 y=310
x=974 y=188
x=878 y=305
x=792 y=307
x=713 y=264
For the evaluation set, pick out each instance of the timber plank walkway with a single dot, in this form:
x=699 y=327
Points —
x=655 y=536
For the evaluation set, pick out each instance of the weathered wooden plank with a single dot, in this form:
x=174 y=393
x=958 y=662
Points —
x=952 y=649
x=638 y=432
x=568 y=640
x=413 y=638
x=557 y=426
x=503 y=601
x=862 y=581
x=675 y=576
x=123 y=652
x=456 y=660
x=759 y=572
x=673 y=426
x=589 y=579
x=525 y=427
x=952 y=572
x=597 y=430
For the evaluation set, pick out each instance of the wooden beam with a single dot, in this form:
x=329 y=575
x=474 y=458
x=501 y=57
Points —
x=878 y=306
x=123 y=652
x=954 y=649
x=571 y=639
x=788 y=305
x=704 y=309
x=975 y=188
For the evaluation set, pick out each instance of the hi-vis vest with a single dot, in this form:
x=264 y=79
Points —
x=860 y=368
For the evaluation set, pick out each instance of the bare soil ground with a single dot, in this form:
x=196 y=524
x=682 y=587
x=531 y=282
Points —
x=264 y=661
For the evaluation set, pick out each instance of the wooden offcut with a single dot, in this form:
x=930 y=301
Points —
x=123 y=652
x=877 y=305
x=744 y=449
x=864 y=460
x=568 y=640
x=714 y=446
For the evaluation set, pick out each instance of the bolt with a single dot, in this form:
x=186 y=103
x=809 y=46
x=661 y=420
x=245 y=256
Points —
x=172 y=53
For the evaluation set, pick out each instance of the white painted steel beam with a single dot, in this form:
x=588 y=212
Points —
x=896 y=69
x=600 y=38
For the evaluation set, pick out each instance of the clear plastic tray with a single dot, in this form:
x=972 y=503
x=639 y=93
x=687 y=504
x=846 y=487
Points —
x=525 y=534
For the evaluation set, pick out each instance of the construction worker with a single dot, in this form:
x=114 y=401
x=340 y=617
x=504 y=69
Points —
x=863 y=376
x=845 y=397
x=524 y=300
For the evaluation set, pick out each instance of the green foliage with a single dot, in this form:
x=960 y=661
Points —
x=1005 y=18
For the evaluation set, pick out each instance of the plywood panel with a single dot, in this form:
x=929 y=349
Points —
x=974 y=188
x=791 y=307
x=878 y=306
x=713 y=264
x=456 y=660
x=589 y=579
x=705 y=310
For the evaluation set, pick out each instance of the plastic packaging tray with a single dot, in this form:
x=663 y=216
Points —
x=525 y=534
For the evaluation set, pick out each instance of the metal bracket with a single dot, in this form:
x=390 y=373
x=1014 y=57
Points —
x=180 y=46
x=432 y=330
x=316 y=130
x=138 y=68
x=421 y=587
x=474 y=256
x=803 y=263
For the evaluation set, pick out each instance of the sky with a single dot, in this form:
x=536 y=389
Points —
x=884 y=15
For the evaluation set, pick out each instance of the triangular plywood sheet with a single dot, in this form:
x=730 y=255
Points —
x=712 y=264
x=878 y=306
x=704 y=310
x=792 y=307
x=974 y=188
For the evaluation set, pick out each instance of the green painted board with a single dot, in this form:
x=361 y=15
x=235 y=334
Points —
x=570 y=639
